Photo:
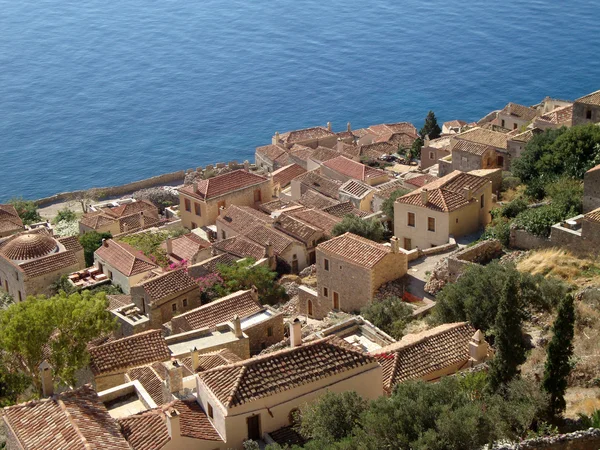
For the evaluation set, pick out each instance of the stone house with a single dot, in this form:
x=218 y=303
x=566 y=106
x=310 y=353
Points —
x=283 y=177
x=71 y=419
x=350 y=269
x=591 y=189
x=31 y=261
x=125 y=218
x=189 y=248
x=201 y=201
x=10 y=222
x=309 y=137
x=516 y=144
x=562 y=116
x=432 y=354
x=300 y=154
x=587 y=109
x=109 y=362
x=271 y=157
x=433 y=150
x=344 y=169
x=319 y=156
x=514 y=116
x=453 y=206
x=316 y=200
x=241 y=247
x=384 y=133
x=262 y=324
x=304 y=232
x=163 y=296
x=122 y=264
x=252 y=398
x=314 y=181
x=384 y=191
x=453 y=126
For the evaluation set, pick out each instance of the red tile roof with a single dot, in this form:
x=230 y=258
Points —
x=211 y=360
x=240 y=303
x=356 y=188
x=223 y=184
x=150 y=380
x=485 y=137
x=301 y=152
x=73 y=420
x=285 y=175
x=305 y=135
x=437 y=200
x=320 y=219
x=322 y=154
x=355 y=249
x=516 y=110
x=142 y=348
x=343 y=209
x=314 y=199
x=241 y=246
x=315 y=181
x=264 y=234
x=353 y=169
x=297 y=228
x=271 y=152
x=473 y=148
x=377 y=149
x=421 y=180
x=593 y=216
x=590 y=99
x=186 y=247
x=124 y=258
x=262 y=376
x=167 y=284
x=242 y=218
x=9 y=219
x=50 y=263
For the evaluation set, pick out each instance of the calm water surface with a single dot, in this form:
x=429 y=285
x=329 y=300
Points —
x=96 y=92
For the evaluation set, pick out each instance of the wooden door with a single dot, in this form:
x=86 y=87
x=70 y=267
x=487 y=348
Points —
x=336 y=300
x=407 y=244
x=254 y=427
x=310 y=308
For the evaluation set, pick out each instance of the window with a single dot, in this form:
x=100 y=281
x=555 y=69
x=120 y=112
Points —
x=20 y=297
x=209 y=410
x=185 y=303
x=411 y=219
x=326 y=264
x=430 y=224
x=194 y=225
x=174 y=307
x=188 y=205
x=197 y=209
x=109 y=274
x=270 y=331
x=588 y=114
x=263 y=345
x=431 y=155
x=457 y=220
x=503 y=124
x=500 y=161
x=482 y=201
x=257 y=196
x=223 y=234
x=325 y=292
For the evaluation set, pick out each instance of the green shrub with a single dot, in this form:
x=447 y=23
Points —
x=498 y=229
x=512 y=209
x=65 y=215
x=510 y=183
x=390 y=315
x=539 y=221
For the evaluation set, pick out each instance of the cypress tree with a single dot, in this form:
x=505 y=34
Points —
x=559 y=352
x=431 y=127
x=510 y=348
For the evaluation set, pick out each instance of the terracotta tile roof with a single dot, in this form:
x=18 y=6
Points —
x=322 y=154
x=314 y=199
x=167 y=284
x=285 y=175
x=355 y=249
x=361 y=132
x=455 y=123
x=148 y=430
x=28 y=245
x=301 y=152
x=241 y=246
x=211 y=360
x=343 y=209
x=134 y=222
x=319 y=183
x=471 y=147
x=590 y=99
x=353 y=169
x=558 y=116
x=210 y=265
x=421 y=180
x=523 y=137
x=240 y=303
x=150 y=380
x=305 y=134
x=118 y=301
x=96 y=219
x=271 y=152
x=483 y=136
x=186 y=247
x=351 y=151
x=593 y=216
x=437 y=200
x=124 y=258
x=385 y=190
x=516 y=110
x=389 y=128
x=242 y=218
x=71 y=243
x=264 y=234
x=128 y=215
x=297 y=228
x=73 y=420
x=142 y=348
x=9 y=219
x=319 y=219
x=465 y=180
x=136 y=207
x=377 y=149
x=223 y=184
x=398 y=139
x=48 y=264
x=419 y=355
x=275 y=205
x=356 y=188
x=262 y=376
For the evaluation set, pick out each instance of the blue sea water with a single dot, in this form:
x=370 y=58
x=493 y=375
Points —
x=97 y=93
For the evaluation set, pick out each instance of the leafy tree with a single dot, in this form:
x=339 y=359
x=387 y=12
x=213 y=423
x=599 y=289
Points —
x=431 y=127
x=26 y=209
x=498 y=228
x=11 y=385
x=86 y=198
x=60 y=327
x=390 y=314
x=91 y=241
x=415 y=149
x=539 y=221
x=510 y=348
x=514 y=208
x=246 y=274
x=566 y=193
x=559 y=353
x=370 y=229
x=332 y=417
x=388 y=204
x=64 y=214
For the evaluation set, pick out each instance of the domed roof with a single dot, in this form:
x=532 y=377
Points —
x=29 y=246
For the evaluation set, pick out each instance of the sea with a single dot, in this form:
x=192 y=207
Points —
x=104 y=92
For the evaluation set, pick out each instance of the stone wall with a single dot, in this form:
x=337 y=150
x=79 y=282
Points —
x=591 y=190
x=259 y=336
x=578 y=440
x=523 y=240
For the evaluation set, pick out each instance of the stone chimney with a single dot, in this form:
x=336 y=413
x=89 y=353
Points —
x=174 y=378
x=237 y=327
x=142 y=220
x=173 y=424
x=424 y=196
x=195 y=185
x=254 y=293
x=295 y=333
x=104 y=242
x=348 y=127
x=246 y=165
x=195 y=359
x=269 y=249
x=467 y=193
x=47 y=378
x=478 y=347
x=276 y=138
x=426 y=141
x=169 y=246
x=329 y=126
x=395 y=244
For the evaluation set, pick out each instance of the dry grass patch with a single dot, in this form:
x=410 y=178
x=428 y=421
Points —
x=510 y=194
x=561 y=264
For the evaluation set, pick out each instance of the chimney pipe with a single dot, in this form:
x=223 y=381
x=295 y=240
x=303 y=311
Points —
x=349 y=127
x=142 y=220
x=467 y=193
x=169 y=246
x=254 y=293
x=104 y=242
x=196 y=190
x=478 y=347
x=395 y=244
x=269 y=249
x=237 y=327
x=296 y=333
x=175 y=378
x=173 y=424
x=424 y=196
x=195 y=359
x=47 y=379
x=329 y=126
